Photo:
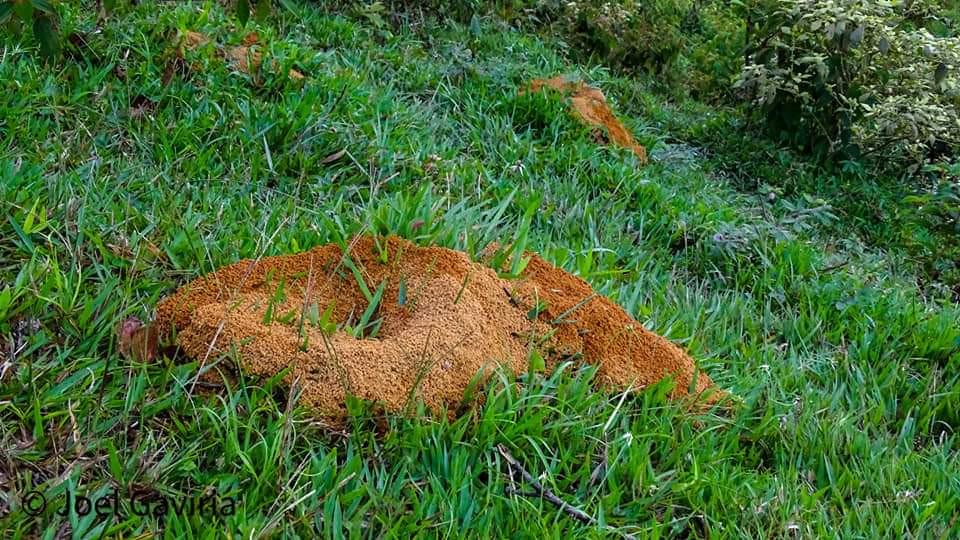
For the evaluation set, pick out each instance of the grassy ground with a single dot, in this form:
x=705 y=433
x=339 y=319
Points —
x=118 y=186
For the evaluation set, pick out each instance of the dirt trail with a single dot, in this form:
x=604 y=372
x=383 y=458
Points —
x=443 y=318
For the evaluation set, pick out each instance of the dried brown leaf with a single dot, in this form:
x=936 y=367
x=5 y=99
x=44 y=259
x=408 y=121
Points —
x=137 y=341
x=334 y=156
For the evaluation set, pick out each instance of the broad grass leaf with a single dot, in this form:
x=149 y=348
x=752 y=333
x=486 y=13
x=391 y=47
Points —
x=24 y=10
x=46 y=33
x=263 y=10
x=243 y=11
x=6 y=8
x=45 y=6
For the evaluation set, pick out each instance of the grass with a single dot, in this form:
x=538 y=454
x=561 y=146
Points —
x=117 y=188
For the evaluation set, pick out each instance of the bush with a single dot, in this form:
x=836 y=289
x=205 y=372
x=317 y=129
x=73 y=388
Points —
x=716 y=38
x=849 y=79
x=934 y=220
x=633 y=34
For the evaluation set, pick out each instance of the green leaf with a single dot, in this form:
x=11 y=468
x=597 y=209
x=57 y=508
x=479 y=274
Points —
x=27 y=244
x=857 y=36
x=243 y=11
x=28 y=222
x=475 y=29
x=6 y=8
x=327 y=325
x=110 y=6
x=45 y=6
x=15 y=26
x=402 y=293
x=113 y=461
x=287 y=317
x=536 y=310
x=24 y=10
x=313 y=315
x=6 y=297
x=941 y=73
x=536 y=362
x=263 y=10
x=371 y=307
x=359 y=277
x=883 y=45
x=46 y=34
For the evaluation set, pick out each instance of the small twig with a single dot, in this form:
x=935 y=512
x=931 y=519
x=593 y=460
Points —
x=515 y=466
x=833 y=267
x=514 y=491
x=601 y=467
x=540 y=491
x=598 y=471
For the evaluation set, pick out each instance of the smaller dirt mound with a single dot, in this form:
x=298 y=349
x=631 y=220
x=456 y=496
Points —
x=428 y=320
x=590 y=106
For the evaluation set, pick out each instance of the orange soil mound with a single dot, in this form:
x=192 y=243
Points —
x=591 y=107
x=458 y=318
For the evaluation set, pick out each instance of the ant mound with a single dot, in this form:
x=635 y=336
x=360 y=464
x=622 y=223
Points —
x=590 y=106
x=392 y=322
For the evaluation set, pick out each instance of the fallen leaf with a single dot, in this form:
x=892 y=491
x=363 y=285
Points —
x=140 y=105
x=251 y=39
x=169 y=70
x=120 y=248
x=137 y=341
x=245 y=59
x=195 y=40
x=334 y=156
x=152 y=248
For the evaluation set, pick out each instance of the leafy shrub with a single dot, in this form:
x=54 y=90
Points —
x=934 y=222
x=631 y=34
x=716 y=37
x=634 y=34
x=847 y=79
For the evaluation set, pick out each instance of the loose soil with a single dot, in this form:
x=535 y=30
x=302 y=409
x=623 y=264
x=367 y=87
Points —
x=443 y=319
x=590 y=106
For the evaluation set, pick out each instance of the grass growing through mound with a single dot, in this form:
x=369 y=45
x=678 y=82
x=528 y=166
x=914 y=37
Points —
x=118 y=186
